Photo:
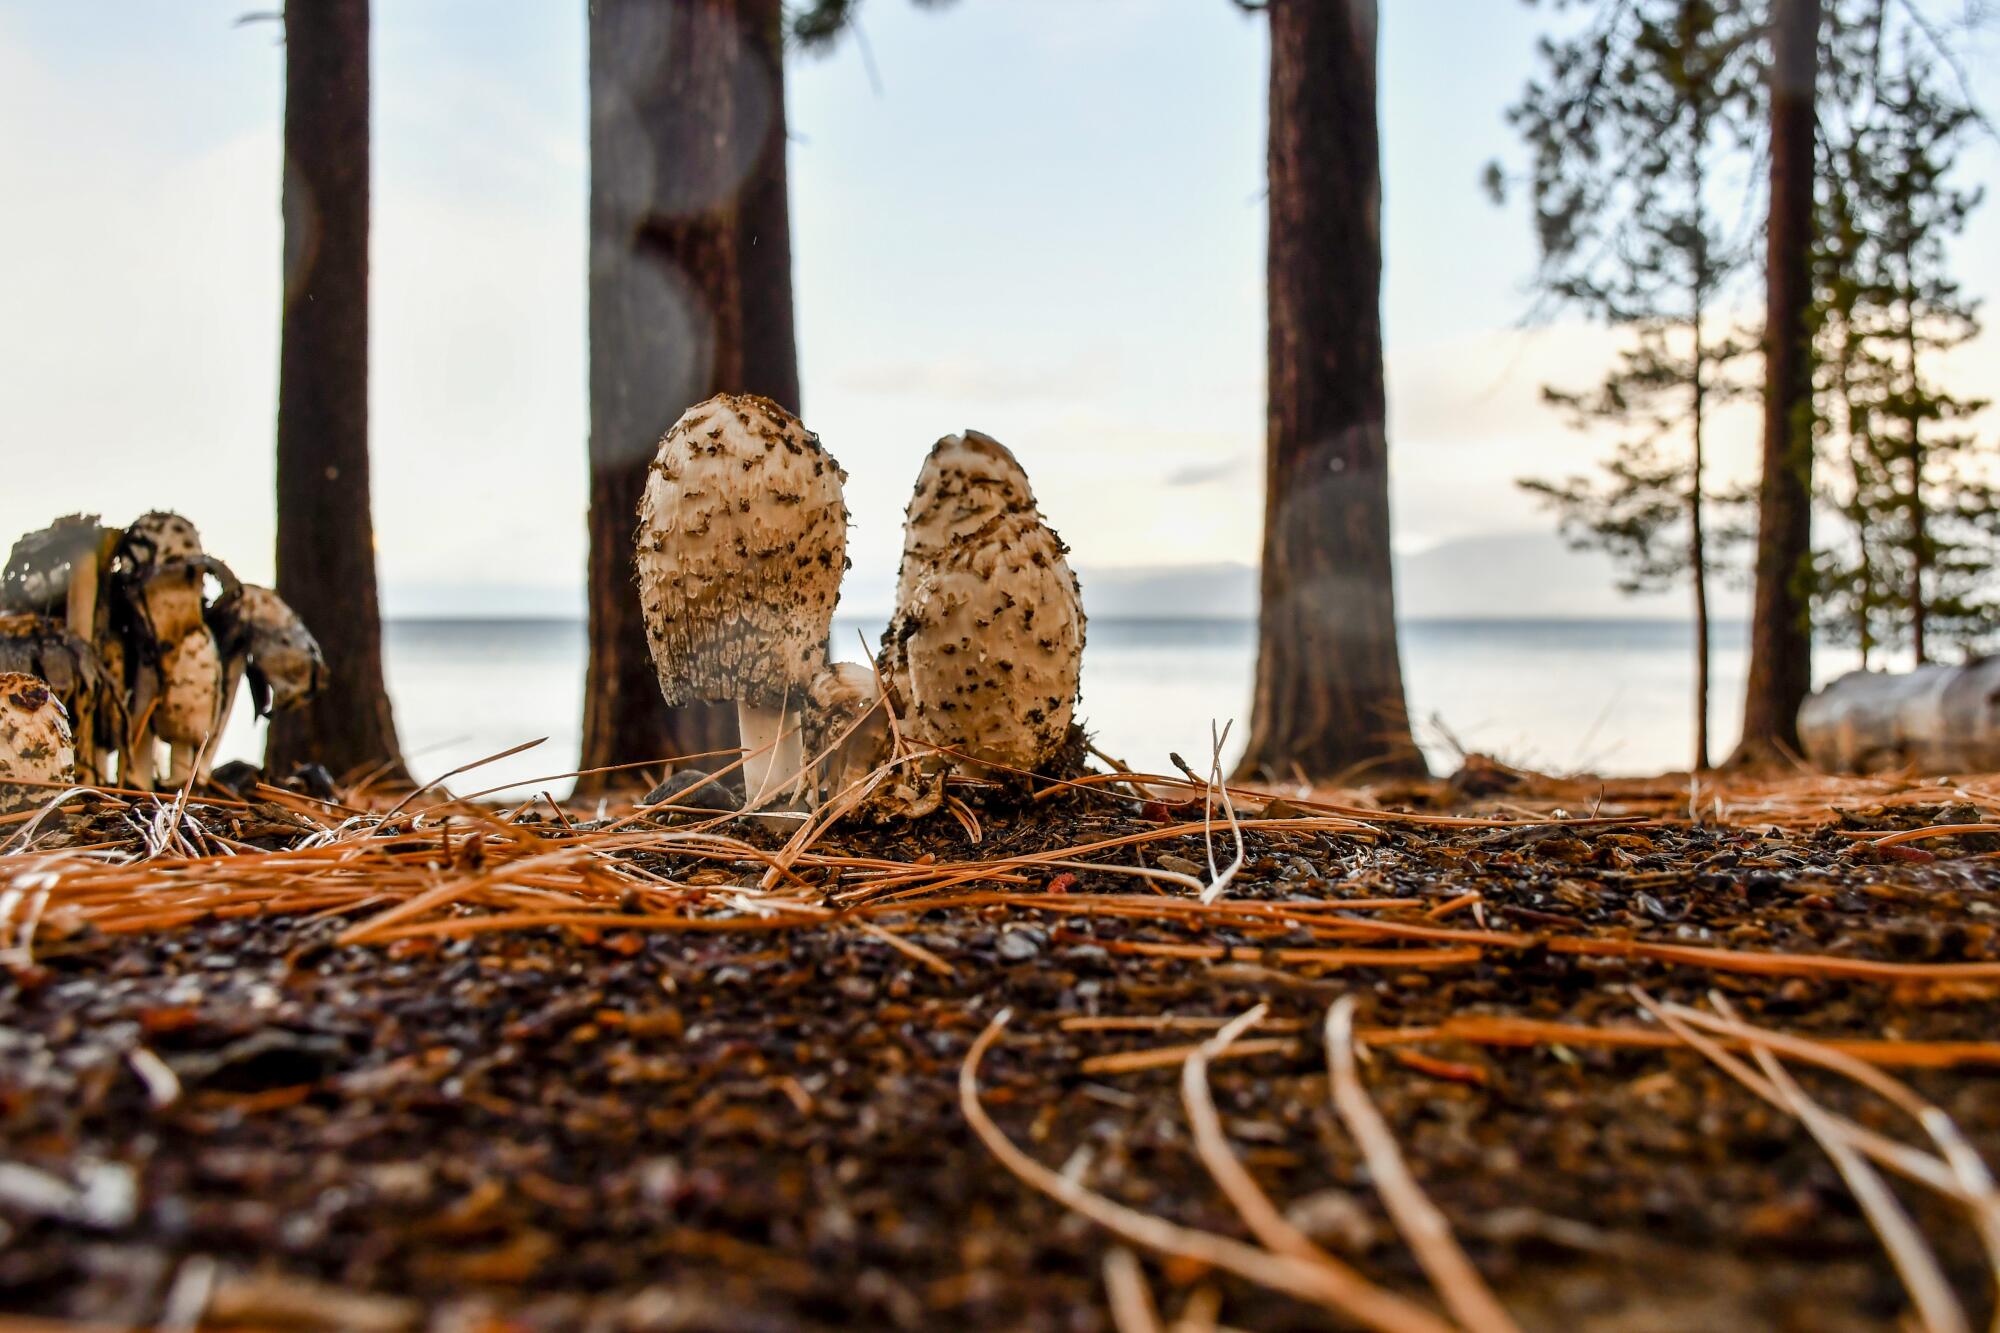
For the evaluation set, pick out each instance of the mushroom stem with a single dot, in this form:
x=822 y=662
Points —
x=80 y=609
x=783 y=756
x=181 y=759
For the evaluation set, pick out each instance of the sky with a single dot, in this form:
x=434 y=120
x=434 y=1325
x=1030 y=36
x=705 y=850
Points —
x=1039 y=218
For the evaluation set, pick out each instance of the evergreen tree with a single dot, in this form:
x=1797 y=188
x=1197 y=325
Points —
x=1635 y=125
x=1918 y=551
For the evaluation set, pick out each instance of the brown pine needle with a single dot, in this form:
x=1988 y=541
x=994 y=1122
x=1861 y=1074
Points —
x=1266 y=1223
x=1371 y=1305
x=1125 y=1291
x=1915 y=1263
x=1458 y=1283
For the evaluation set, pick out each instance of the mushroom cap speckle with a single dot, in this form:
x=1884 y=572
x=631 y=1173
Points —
x=160 y=536
x=741 y=544
x=985 y=656
x=966 y=481
x=35 y=744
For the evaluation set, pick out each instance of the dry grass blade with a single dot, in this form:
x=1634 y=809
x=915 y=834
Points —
x=1218 y=880
x=1266 y=1223
x=1966 y=1165
x=1911 y=1163
x=1922 y=1276
x=1458 y=1283
x=1376 y=1307
x=443 y=778
x=1125 y=1291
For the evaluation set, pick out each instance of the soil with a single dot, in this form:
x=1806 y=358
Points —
x=241 y=1122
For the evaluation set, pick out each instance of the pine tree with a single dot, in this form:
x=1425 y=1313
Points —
x=1918 y=552
x=1634 y=125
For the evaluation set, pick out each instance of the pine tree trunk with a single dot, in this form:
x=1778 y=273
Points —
x=1698 y=554
x=690 y=295
x=326 y=535
x=1919 y=529
x=1328 y=696
x=1780 y=628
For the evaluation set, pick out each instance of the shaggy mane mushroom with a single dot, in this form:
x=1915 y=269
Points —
x=742 y=541
x=35 y=744
x=984 y=652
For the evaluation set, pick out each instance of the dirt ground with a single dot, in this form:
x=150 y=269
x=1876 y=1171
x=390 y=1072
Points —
x=241 y=1121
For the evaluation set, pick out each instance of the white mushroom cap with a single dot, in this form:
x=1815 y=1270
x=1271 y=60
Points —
x=986 y=653
x=35 y=743
x=966 y=481
x=742 y=541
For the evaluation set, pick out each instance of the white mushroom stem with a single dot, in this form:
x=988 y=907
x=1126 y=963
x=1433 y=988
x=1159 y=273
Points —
x=773 y=754
x=80 y=609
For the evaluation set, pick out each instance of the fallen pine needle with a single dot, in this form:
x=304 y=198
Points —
x=1458 y=1283
x=1369 y=1304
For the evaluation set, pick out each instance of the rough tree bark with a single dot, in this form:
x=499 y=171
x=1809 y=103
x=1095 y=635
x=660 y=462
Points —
x=1780 y=625
x=326 y=535
x=1328 y=695
x=690 y=295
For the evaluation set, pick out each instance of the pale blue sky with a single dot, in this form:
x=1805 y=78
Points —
x=1048 y=225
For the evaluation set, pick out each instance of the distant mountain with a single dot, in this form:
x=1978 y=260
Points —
x=1508 y=576
x=1497 y=576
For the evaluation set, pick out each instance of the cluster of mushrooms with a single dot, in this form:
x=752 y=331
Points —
x=111 y=644
x=742 y=542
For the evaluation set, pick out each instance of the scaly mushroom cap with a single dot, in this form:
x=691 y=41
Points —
x=283 y=659
x=160 y=536
x=986 y=655
x=966 y=481
x=40 y=565
x=35 y=744
x=742 y=541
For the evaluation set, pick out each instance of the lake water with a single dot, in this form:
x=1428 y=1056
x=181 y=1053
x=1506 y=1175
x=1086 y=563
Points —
x=1611 y=696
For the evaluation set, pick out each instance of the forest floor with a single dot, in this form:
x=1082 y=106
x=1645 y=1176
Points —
x=277 y=1064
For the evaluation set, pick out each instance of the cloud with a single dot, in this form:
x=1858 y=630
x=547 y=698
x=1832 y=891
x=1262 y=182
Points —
x=1201 y=473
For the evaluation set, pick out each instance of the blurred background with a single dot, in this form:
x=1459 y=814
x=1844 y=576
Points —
x=1037 y=218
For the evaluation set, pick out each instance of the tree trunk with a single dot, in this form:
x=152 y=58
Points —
x=1780 y=627
x=690 y=295
x=1919 y=529
x=326 y=536
x=1328 y=695
x=1698 y=555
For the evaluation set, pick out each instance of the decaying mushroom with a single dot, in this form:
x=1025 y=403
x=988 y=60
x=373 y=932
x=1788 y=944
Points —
x=166 y=569
x=741 y=544
x=985 y=650
x=262 y=639
x=43 y=647
x=57 y=571
x=36 y=754
x=848 y=736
